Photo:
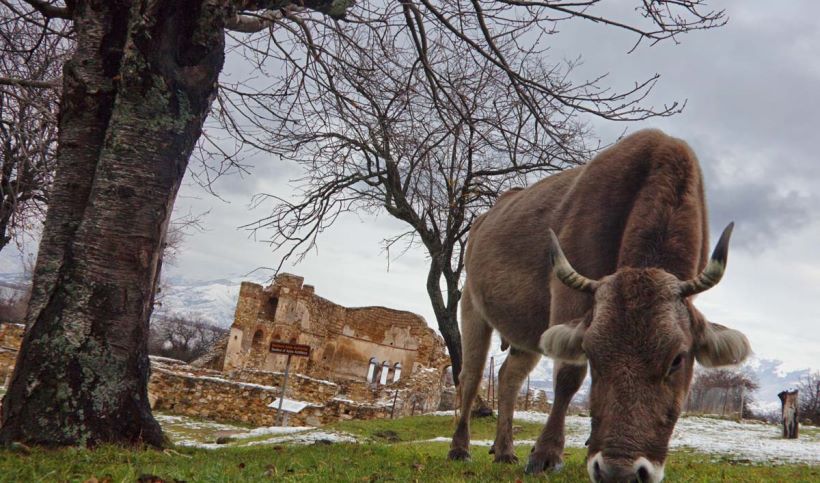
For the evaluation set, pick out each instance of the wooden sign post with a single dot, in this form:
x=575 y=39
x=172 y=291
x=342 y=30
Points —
x=290 y=350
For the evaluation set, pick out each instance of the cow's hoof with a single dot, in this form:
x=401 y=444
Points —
x=506 y=458
x=457 y=454
x=540 y=462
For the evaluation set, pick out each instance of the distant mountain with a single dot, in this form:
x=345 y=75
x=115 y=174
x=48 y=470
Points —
x=212 y=300
x=772 y=378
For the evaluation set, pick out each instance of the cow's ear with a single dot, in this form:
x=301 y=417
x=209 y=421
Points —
x=563 y=342
x=717 y=345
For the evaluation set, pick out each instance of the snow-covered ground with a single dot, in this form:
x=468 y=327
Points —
x=186 y=431
x=749 y=440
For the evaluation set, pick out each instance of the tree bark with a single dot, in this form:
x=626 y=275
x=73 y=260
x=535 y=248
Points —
x=446 y=314
x=136 y=93
x=789 y=411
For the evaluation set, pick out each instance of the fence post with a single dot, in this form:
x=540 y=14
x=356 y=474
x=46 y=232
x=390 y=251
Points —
x=393 y=409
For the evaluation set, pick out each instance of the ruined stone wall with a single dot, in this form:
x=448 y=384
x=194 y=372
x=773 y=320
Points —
x=11 y=336
x=244 y=396
x=342 y=340
x=219 y=399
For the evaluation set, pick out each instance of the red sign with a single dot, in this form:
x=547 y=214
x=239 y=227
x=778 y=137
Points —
x=290 y=349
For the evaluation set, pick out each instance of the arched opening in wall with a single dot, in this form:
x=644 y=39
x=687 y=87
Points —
x=385 y=371
x=258 y=336
x=371 y=370
x=270 y=308
x=397 y=372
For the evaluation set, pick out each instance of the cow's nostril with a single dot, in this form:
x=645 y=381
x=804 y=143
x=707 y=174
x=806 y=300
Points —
x=643 y=474
x=597 y=469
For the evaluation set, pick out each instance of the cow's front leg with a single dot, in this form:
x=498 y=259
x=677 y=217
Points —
x=512 y=374
x=549 y=448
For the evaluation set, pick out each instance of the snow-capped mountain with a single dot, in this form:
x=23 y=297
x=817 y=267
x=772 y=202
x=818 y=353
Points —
x=213 y=301
x=772 y=378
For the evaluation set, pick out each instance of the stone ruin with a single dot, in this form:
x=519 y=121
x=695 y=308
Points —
x=365 y=363
x=368 y=362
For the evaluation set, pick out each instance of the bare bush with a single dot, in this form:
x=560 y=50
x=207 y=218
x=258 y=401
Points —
x=13 y=306
x=182 y=338
x=809 y=398
x=722 y=391
x=32 y=57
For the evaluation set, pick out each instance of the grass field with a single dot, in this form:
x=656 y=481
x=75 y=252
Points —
x=388 y=451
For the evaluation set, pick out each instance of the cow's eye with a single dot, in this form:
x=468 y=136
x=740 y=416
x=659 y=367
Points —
x=677 y=363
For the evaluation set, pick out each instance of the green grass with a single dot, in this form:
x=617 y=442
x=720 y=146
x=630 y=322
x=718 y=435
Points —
x=428 y=427
x=372 y=461
x=345 y=462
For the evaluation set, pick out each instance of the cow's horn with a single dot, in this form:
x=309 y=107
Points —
x=565 y=272
x=713 y=272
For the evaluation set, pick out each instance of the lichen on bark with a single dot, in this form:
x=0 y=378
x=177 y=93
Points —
x=129 y=120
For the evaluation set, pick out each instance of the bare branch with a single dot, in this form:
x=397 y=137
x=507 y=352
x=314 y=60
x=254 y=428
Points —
x=49 y=10
x=40 y=84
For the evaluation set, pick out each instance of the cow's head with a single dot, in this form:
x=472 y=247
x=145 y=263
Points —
x=640 y=339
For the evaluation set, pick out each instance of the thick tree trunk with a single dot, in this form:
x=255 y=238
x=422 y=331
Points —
x=135 y=95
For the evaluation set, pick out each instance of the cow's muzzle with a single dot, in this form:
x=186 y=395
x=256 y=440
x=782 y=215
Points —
x=639 y=471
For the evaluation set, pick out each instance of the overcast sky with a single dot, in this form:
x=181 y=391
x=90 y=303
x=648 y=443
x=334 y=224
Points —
x=752 y=117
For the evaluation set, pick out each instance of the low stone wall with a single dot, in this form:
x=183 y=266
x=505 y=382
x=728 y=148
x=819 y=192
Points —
x=300 y=387
x=219 y=399
x=224 y=397
x=244 y=395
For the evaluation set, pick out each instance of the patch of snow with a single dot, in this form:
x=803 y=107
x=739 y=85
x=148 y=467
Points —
x=753 y=441
x=289 y=405
x=265 y=430
x=168 y=360
x=218 y=379
x=309 y=437
x=295 y=435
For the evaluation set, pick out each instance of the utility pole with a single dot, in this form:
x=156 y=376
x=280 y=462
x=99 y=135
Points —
x=527 y=395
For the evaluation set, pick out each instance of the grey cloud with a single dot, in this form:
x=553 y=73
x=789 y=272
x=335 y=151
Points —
x=762 y=216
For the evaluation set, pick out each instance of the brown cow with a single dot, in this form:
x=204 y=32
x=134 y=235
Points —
x=633 y=221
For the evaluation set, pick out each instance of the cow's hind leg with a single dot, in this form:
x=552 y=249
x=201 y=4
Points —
x=513 y=372
x=475 y=344
x=550 y=444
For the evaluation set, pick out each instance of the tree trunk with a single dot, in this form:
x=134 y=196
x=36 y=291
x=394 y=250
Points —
x=446 y=315
x=136 y=93
x=789 y=412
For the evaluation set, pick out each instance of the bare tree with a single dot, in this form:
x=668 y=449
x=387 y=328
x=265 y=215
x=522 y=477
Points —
x=809 y=394
x=31 y=56
x=179 y=337
x=135 y=93
x=735 y=391
x=428 y=111
x=179 y=229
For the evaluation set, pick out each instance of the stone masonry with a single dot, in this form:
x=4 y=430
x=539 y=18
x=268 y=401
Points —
x=344 y=341
x=365 y=363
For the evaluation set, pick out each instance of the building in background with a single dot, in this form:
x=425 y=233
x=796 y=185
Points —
x=369 y=344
